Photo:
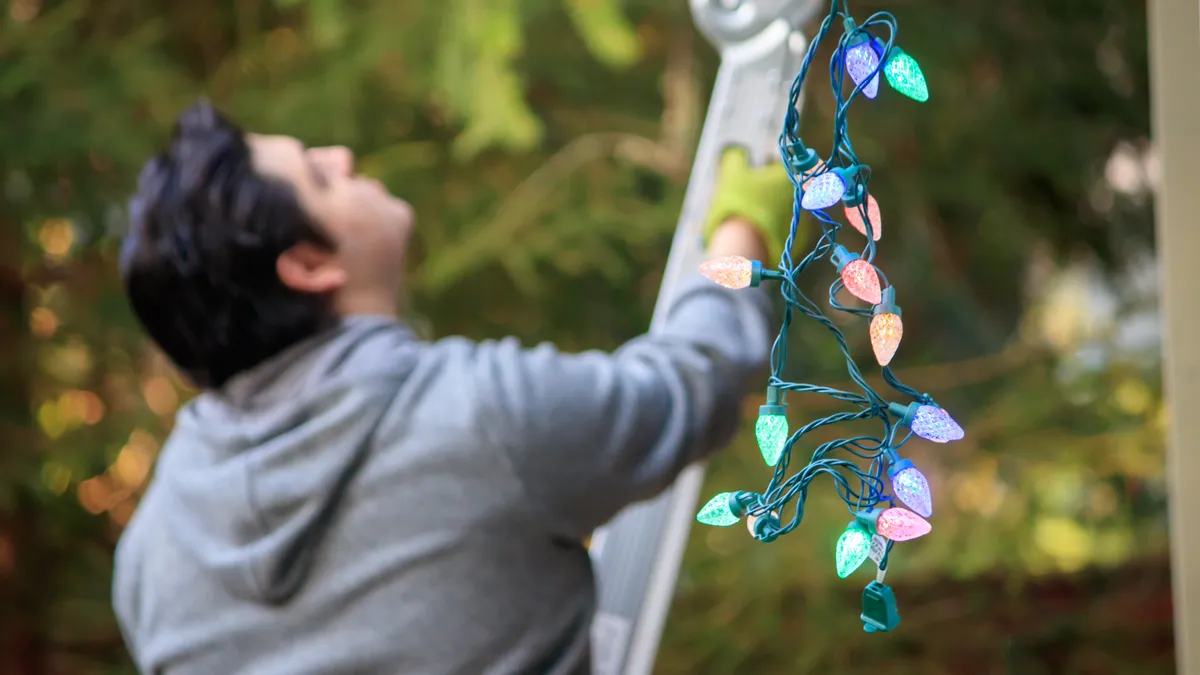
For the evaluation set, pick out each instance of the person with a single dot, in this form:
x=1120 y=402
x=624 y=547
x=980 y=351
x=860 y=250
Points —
x=342 y=497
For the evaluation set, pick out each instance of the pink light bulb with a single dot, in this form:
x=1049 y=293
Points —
x=862 y=281
x=854 y=215
x=900 y=524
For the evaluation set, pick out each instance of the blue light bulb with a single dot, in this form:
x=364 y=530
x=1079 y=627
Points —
x=861 y=61
x=827 y=189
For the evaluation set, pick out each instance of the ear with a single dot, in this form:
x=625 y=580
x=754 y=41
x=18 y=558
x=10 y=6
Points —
x=309 y=268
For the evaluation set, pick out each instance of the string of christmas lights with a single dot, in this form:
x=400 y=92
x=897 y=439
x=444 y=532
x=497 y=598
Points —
x=880 y=518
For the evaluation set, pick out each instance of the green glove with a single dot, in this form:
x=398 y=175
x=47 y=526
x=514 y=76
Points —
x=761 y=196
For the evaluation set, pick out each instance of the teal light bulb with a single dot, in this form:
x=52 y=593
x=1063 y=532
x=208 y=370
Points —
x=905 y=75
x=771 y=430
x=853 y=548
x=724 y=509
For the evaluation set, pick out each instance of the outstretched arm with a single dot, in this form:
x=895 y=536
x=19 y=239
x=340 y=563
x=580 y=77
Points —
x=590 y=433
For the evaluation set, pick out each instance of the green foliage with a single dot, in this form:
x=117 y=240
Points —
x=546 y=145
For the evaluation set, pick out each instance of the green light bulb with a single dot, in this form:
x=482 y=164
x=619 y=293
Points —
x=772 y=433
x=717 y=512
x=905 y=75
x=853 y=547
x=771 y=429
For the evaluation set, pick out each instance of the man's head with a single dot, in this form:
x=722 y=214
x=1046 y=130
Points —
x=241 y=245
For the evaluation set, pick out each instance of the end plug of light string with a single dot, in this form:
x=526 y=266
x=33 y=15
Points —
x=879 y=611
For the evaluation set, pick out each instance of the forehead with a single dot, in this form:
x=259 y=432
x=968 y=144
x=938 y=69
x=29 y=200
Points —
x=280 y=156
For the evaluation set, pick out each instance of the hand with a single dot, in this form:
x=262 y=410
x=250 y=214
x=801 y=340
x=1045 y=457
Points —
x=761 y=197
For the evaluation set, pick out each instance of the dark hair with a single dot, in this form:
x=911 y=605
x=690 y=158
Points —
x=199 y=263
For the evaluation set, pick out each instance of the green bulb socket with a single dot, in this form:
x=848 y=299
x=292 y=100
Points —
x=774 y=404
x=849 y=26
x=802 y=159
x=857 y=524
x=740 y=502
x=855 y=195
x=879 y=608
x=906 y=413
x=766 y=528
x=842 y=257
x=849 y=176
x=887 y=304
x=758 y=273
x=867 y=519
x=896 y=465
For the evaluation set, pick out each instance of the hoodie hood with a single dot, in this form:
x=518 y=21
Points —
x=254 y=473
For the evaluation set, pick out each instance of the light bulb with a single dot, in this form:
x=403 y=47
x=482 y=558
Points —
x=731 y=271
x=886 y=327
x=905 y=75
x=928 y=421
x=886 y=331
x=858 y=276
x=861 y=61
x=772 y=434
x=853 y=548
x=900 y=524
x=854 y=215
x=771 y=428
x=935 y=424
x=911 y=487
x=823 y=191
x=861 y=280
x=719 y=511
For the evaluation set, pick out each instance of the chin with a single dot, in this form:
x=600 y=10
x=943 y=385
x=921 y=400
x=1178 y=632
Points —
x=405 y=217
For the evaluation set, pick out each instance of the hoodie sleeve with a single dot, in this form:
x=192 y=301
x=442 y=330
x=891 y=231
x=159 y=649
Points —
x=593 y=432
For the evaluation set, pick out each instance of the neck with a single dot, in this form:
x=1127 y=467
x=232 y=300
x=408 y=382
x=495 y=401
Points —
x=373 y=303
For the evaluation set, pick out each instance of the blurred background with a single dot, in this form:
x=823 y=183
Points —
x=546 y=145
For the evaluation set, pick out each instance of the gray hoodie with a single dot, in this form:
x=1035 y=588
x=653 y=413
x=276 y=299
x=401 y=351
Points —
x=370 y=503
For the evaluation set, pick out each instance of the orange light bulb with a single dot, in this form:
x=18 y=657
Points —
x=886 y=327
x=854 y=215
x=731 y=271
x=886 y=331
